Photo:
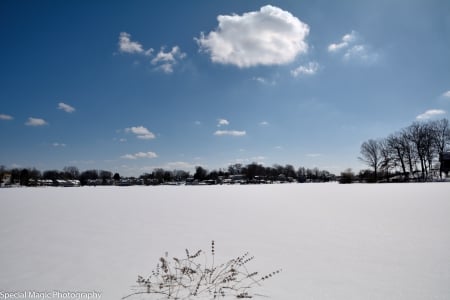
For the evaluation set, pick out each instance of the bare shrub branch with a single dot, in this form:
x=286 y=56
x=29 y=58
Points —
x=187 y=278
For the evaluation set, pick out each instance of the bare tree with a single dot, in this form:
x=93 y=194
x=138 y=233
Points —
x=397 y=151
x=235 y=169
x=429 y=145
x=105 y=176
x=158 y=175
x=200 y=173
x=387 y=162
x=371 y=155
x=416 y=134
x=442 y=135
x=408 y=148
x=289 y=171
x=427 y=140
x=71 y=172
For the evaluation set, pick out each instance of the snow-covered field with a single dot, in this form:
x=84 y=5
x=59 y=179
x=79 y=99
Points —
x=332 y=241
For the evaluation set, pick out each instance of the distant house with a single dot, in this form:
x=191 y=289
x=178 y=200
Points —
x=239 y=179
x=444 y=159
x=67 y=183
x=6 y=179
x=45 y=182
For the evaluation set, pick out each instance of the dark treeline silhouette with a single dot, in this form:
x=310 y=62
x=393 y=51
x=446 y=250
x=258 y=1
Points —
x=412 y=153
x=237 y=173
x=69 y=176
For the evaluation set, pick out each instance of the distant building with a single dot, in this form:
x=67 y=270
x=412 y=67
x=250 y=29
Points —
x=444 y=159
x=239 y=179
x=67 y=183
x=6 y=179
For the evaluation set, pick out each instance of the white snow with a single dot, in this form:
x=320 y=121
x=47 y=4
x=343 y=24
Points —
x=385 y=241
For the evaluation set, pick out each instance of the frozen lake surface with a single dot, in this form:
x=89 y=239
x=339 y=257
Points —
x=386 y=241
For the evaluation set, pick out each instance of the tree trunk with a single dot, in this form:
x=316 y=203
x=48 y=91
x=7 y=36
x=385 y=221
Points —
x=401 y=161
x=422 y=165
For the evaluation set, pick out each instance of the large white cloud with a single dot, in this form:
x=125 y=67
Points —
x=141 y=132
x=431 y=113
x=36 y=122
x=270 y=36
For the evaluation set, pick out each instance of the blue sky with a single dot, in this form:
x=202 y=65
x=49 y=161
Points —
x=129 y=86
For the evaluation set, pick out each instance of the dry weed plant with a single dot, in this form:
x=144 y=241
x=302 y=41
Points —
x=187 y=278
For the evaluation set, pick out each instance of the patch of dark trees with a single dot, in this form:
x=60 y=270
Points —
x=253 y=173
x=414 y=153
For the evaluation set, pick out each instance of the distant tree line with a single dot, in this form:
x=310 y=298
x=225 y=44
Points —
x=30 y=177
x=409 y=154
x=251 y=173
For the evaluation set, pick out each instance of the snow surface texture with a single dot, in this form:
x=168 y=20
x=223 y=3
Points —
x=332 y=241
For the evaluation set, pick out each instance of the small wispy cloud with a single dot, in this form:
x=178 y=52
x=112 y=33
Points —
x=263 y=123
x=82 y=162
x=431 y=113
x=446 y=94
x=244 y=160
x=126 y=45
x=59 y=144
x=6 y=117
x=310 y=68
x=259 y=158
x=140 y=155
x=238 y=161
x=346 y=40
x=230 y=133
x=260 y=80
x=179 y=165
x=141 y=132
x=128 y=156
x=120 y=140
x=222 y=122
x=66 y=107
x=313 y=154
x=354 y=49
x=165 y=61
x=264 y=81
x=362 y=53
x=36 y=122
